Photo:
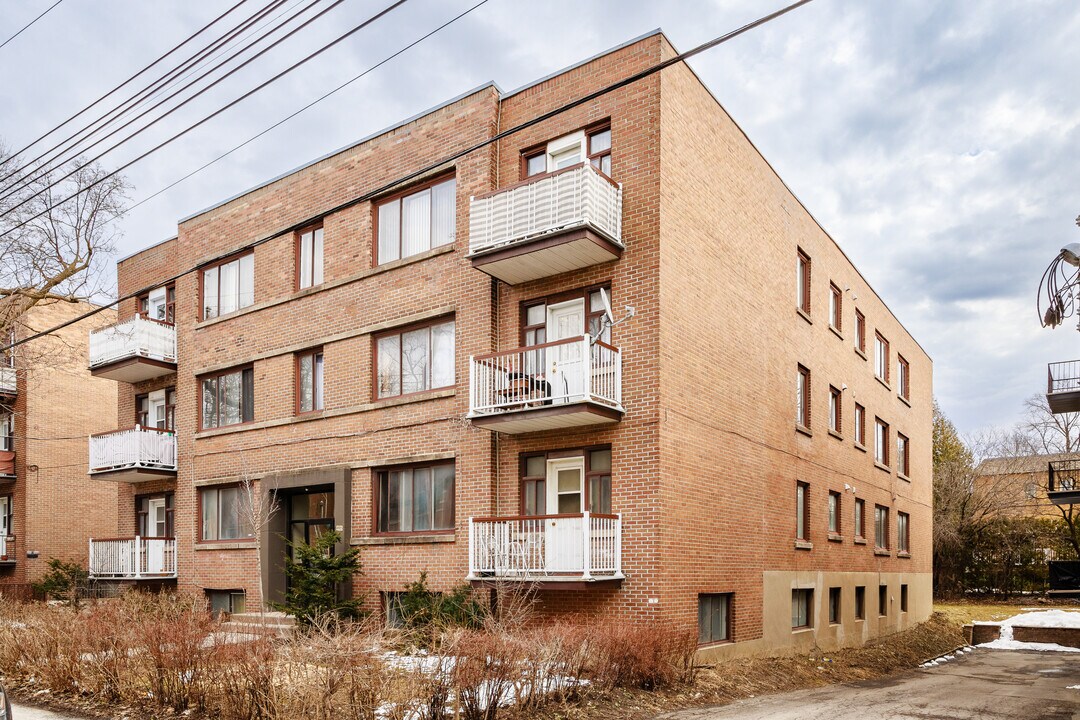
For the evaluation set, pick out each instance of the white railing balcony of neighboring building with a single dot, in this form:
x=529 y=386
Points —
x=7 y=548
x=134 y=558
x=133 y=448
x=8 y=383
x=586 y=546
x=577 y=196
x=563 y=372
x=139 y=337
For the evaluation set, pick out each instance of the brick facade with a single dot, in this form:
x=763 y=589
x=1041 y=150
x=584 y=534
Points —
x=705 y=458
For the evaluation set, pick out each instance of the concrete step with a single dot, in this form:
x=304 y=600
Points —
x=271 y=618
x=273 y=624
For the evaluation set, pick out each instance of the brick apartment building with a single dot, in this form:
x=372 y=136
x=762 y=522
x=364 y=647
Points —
x=433 y=373
x=49 y=508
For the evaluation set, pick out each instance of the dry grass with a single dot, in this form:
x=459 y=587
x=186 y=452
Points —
x=964 y=613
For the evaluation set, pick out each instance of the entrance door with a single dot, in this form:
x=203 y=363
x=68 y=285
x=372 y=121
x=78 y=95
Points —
x=566 y=362
x=156 y=410
x=5 y=514
x=156 y=523
x=563 y=549
x=311 y=515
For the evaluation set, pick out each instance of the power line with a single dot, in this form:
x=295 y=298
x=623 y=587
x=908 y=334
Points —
x=191 y=37
x=310 y=105
x=44 y=174
x=204 y=120
x=139 y=97
x=681 y=57
x=27 y=25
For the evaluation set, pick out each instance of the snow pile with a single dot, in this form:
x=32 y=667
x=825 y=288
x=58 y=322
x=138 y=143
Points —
x=1041 y=619
x=959 y=652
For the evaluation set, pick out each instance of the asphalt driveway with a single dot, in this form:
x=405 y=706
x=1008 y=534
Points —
x=986 y=684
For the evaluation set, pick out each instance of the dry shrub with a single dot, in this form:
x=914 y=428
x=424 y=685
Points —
x=486 y=673
x=243 y=680
x=172 y=636
x=642 y=655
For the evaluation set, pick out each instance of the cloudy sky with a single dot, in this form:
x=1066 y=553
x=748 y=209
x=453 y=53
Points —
x=936 y=141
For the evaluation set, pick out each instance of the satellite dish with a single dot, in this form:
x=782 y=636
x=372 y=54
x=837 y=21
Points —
x=607 y=307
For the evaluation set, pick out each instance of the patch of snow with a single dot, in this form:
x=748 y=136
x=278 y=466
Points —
x=1041 y=619
x=1073 y=687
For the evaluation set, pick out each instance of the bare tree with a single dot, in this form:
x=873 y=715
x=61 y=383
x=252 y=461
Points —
x=62 y=255
x=257 y=507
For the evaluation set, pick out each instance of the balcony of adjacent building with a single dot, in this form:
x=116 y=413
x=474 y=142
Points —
x=134 y=455
x=134 y=350
x=547 y=225
x=7 y=549
x=1063 y=386
x=8 y=382
x=133 y=558
x=546 y=550
x=567 y=383
x=1063 y=482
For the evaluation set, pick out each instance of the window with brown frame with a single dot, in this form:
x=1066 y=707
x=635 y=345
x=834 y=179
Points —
x=903 y=538
x=228 y=286
x=156 y=410
x=416 y=220
x=860 y=425
x=802 y=511
x=860 y=602
x=834 y=512
x=228 y=398
x=714 y=618
x=905 y=377
x=224 y=514
x=881 y=527
x=7 y=515
x=156 y=526
x=881 y=441
x=309 y=257
x=600 y=150
x=534 y=314
x=860 y=331
x=881 y=357
x=834 y=606
x=7 y=429
x=597 y=489
x=860 y=518
x=802 y=609
x=159 y=304
x=414 y=359
x=902 y=455
x=565 y=151
x=309 y=381
x=414 y=498
x=802 y=297
x=836 y=307
x=883 y=600
x=802 y=397
x=835 y=410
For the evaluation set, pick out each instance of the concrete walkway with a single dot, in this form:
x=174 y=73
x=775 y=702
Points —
x=23 y=712
x=984 y=685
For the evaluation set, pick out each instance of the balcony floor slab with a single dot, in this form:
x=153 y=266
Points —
x=549 y=254
x=548 y=417
x=133 y=474
x=133 y=369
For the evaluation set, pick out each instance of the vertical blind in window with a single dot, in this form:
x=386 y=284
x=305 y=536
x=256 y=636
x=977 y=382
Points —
x=416 y=222
x=415 y=360
x=229 y=287
x=416 y=499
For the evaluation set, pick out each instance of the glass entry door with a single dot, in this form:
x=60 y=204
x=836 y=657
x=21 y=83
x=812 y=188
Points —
x=311 y=515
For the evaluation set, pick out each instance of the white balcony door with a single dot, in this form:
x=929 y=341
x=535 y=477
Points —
x=565 y=496
x=565 y=362
x=5 y=512
x=157 y=304
x=157 y=409
x=157 y=526
x=566 y=151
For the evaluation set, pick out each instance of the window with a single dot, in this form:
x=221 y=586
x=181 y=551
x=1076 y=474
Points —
x=309 y=381
x=415 y=499
x=159 y=304
x=802 y=409
x=156 y=409
x=569 y=150
x=802 y=511
x=903 y=598
x=7 y=430
x=414 y=360
x=224 y=514
x=534 y=472
x=881 y=527
x=905 y=377
x=860 y=331
x=836 y=307
x=834 y=512
x=860 y=425
x=881 y=357
x=154 y=515
x=902 y=536
x=228 y=399
x=802 y=297
x=228 y=287
x=600 y=150
x=860 y=514
x=834 y=606
x=309 y=253
x=226 y=601
x=714 y=618
x=860 y=602
x=535 y=164
x=415 y=222
x=835 y=405
x=883 y=600
x=802 y=604
x=902 y=454
x=881 y=441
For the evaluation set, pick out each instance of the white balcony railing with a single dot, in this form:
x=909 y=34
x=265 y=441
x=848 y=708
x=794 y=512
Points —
x=137 y=337
x=7 y=381
x=561 y=372
x=585 y=547
x=136 y=447
x=575 y=197
x=7 y=548
x=133 y=558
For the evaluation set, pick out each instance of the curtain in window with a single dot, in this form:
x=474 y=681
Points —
x=442 y=213
x=389 y=231
x=442 y=355
x=389 y=366
x=416 y=223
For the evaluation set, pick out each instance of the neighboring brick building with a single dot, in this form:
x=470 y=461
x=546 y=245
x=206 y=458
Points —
x=413 y=371
x=49 y=508
x=1021 y=485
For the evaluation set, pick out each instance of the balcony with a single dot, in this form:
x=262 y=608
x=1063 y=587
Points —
x=7 y=550
x=1063 y=486
x=7 y=464
x=558 y=385
x=136 y=558
x=132 y=351
x=134 y=455
x=8 y=386
x=547 y=225
x=546 y=549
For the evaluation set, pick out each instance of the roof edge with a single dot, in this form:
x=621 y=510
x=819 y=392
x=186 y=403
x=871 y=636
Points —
x=148 y=247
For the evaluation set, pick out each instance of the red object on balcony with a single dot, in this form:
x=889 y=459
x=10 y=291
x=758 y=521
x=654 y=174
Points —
x=7 y=462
